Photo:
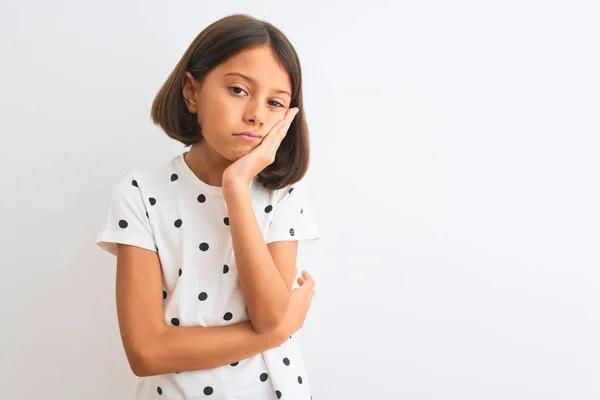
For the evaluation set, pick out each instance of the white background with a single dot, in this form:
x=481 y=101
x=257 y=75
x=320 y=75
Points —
x=454 y=176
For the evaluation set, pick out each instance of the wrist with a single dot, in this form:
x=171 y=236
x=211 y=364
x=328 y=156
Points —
x=235 y=188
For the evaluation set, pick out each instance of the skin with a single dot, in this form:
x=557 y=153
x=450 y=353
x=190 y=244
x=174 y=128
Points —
x=228 y=104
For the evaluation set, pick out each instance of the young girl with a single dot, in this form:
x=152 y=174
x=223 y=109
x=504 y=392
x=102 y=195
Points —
x=206 y=244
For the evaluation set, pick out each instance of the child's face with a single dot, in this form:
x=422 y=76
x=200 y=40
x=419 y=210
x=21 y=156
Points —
x=227 y=103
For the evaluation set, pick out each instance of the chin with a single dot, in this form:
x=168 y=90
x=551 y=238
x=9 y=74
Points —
x=236 y=154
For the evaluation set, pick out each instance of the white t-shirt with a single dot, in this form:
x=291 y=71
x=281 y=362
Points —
x=171 y=211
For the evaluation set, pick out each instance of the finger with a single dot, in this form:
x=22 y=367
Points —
x=274 y=130
x=292 y=112
x=275 y=137
x=279 y=131
x=290 y=118
x=306 y=275
x=309 y=284
x=286 y=122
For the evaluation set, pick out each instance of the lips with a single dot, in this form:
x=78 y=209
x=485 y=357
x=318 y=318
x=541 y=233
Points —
x=251 y=134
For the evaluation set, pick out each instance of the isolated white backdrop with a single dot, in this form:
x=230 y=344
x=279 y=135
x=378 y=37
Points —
x=454 y=176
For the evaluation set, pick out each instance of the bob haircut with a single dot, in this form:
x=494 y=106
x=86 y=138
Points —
x=214 y=45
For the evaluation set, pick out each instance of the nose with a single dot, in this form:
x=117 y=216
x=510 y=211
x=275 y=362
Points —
x=254 y=114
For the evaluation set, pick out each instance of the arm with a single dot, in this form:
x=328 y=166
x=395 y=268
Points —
x=154 y=348
x=266 y=273
x=196 y=347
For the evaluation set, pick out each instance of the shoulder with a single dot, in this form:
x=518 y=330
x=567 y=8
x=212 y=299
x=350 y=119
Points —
x=274 y=195
x=142 y=179
x=286 y=197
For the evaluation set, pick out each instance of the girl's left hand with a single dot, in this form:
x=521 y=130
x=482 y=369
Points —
x=243 y=170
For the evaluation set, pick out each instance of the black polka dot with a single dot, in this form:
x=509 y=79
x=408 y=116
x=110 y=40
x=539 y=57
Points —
x=134 y=183
x=164 y=294
x=278 y=393
x=202 y=296
x=152 y=201
x=286 y=361
x=301 y=211
x=147 y=216
x=175 y=321
x=203 y=246
x=159 y=390
x=264 y=376
x=292 y=232
x=174 y=177
x=208 y=390
x=268 y=209
x=291 y=190
x=234 y=364
x=178 y=223
x=225 y=269
x=123 y=224
x=201 y=198
x=180 y=271
x=300 y=380
x=228 y=316
x=177 y=372
x=226 y=221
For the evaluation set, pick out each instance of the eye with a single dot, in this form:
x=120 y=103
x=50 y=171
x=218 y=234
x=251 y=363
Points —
x=276 y=102
x=232 y=88
x=235 y=89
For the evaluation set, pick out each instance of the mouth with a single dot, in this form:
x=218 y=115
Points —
x=248 y=135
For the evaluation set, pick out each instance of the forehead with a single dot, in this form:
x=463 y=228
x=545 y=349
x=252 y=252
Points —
x=260 y=64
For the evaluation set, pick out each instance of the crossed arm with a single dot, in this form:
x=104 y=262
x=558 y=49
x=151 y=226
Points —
x=266 y=272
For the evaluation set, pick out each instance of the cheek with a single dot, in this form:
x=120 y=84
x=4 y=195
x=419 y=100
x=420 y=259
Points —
x=213 y=114
x=226 y=112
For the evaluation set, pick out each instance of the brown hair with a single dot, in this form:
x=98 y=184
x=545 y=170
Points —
x=214 y=45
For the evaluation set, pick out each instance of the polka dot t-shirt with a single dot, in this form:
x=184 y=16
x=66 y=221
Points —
x=170 y=211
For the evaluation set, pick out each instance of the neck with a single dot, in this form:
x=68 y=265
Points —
x=207 y=164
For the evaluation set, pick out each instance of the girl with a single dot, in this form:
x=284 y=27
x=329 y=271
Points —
x=206 y=244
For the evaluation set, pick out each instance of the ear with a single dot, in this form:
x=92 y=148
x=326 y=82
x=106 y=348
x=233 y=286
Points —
x=189 y=88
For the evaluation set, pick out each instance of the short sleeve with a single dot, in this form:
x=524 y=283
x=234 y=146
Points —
x=293 y=218
x=127 y=221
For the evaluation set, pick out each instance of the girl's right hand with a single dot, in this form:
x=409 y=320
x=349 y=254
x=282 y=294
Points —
x=300 y=302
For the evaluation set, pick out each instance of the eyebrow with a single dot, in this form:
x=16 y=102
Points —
x=254 y=82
